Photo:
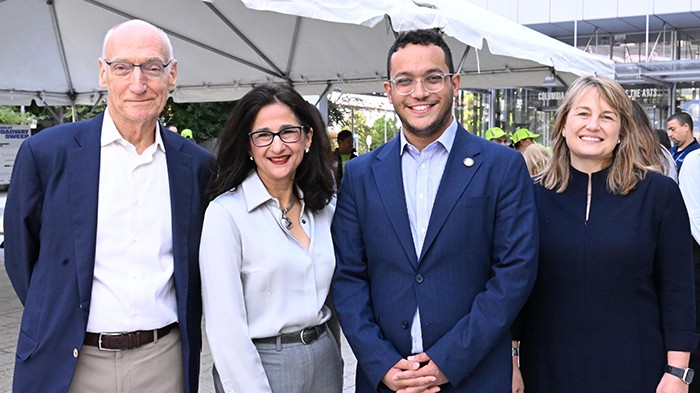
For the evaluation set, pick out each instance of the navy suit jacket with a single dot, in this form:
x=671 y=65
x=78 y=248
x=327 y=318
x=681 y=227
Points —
x=50 y=232
x=476 y=269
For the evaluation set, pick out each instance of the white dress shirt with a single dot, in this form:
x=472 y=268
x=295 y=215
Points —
x=689 y=183
x=422 y=172
x=133 y=286
x=258 y=281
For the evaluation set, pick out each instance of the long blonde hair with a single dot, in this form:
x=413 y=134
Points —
x=628 y=164
x=536 y=158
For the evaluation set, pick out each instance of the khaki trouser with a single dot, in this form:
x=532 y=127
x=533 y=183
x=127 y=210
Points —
x=152 y=368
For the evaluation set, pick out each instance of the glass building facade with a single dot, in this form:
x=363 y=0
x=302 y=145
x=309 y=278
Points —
x=655 y=45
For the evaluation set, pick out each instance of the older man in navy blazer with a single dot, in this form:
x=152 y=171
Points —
x=436 y=241
x=102 y=226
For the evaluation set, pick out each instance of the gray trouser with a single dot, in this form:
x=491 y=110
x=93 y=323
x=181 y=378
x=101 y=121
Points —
x=299 y=368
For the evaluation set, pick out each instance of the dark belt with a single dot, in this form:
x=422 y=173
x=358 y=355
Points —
x=131 y=340
x=304 y=336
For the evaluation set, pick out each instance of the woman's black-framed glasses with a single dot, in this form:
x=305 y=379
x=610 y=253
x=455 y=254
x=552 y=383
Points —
x=288 y=134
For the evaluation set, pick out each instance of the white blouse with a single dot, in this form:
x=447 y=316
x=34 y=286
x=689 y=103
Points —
x=257 y=280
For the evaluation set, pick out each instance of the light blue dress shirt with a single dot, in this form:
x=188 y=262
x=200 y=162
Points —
x=422 y=172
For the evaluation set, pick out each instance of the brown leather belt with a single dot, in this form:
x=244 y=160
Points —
x=122 y=341
x=304 y=336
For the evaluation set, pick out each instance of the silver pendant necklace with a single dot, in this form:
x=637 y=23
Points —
x=285 y=220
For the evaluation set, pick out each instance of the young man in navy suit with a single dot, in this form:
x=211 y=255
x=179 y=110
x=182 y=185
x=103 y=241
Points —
x=436 y=241
x=103 y=222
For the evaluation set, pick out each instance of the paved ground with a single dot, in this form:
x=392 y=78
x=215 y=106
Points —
x=10 y=312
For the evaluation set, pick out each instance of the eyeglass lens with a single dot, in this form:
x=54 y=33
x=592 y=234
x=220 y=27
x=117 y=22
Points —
x=431 y=83
x=287 y=135
x=151 y=70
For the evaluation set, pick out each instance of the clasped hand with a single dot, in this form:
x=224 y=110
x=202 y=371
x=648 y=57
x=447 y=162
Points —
x=407 y=375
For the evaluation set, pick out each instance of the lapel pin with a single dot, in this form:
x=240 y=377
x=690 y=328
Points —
x=468 y=162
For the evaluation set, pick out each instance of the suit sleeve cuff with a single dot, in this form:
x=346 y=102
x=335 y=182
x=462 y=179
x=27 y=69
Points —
x=679 y=341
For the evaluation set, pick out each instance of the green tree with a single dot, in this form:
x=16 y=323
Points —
x=335 y=114
x=52 y=115
x=381 y=128
x=470 y=112
x=88 y=111
x=11 y=115
x=357 y=122
x=205 y=119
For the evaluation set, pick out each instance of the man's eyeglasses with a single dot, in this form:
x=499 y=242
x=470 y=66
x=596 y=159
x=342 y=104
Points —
x=289 y=134
x=153 y=70
x=432 y=83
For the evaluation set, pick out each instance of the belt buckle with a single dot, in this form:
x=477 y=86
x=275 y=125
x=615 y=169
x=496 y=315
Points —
x=99 y=342
x=308 y=330
x=301 y=335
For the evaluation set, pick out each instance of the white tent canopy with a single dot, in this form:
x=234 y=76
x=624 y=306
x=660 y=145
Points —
x=50 y=48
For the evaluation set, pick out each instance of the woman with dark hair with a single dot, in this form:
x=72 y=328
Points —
x=652 y=146
x=266 y=256
x=612 y=307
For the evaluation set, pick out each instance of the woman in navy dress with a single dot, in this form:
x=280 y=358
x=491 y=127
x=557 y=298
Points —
x=613 y=304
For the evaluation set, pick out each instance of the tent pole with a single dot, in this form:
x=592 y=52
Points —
x=463 y=59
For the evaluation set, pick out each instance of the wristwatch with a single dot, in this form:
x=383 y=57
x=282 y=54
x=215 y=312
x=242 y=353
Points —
x=685 y=374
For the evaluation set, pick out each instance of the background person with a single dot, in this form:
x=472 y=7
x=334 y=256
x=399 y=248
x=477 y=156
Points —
x=522 y=138
x=689 y=182
x=497 y=135
x=663 y=138
x=267 y=254
x=102 y=234
x=406 y=292
x=680 y=131
x=614 y=289
x=342 y=154
x=654 y=154
x=536 y=158
x=187 y=133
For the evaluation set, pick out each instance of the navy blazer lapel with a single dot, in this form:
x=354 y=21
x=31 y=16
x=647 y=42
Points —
x=455 y=179
x=180 y=179
x=83 y=171
x=389 y=182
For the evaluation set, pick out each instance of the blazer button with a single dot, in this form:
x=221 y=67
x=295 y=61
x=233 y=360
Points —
x=404 y=324
x=419 y=278
x=75 y=353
